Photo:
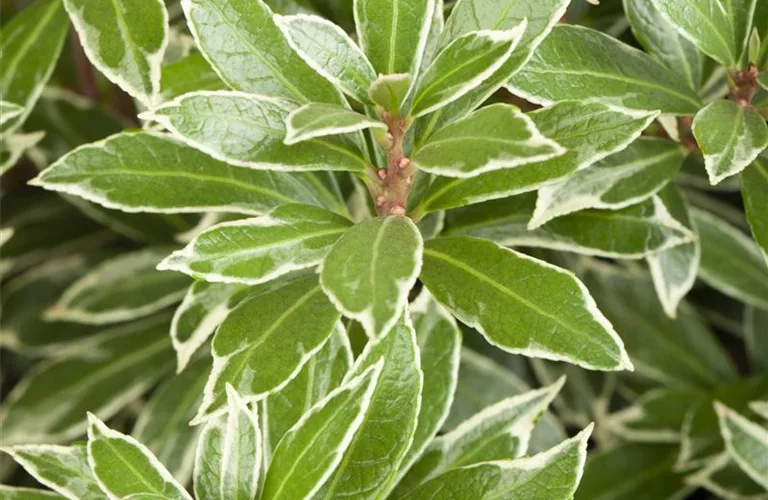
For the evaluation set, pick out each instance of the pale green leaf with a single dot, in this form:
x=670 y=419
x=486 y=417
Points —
x=229 y=454
x=266 y=340
x=189 y=74
x=723 y=477
x=730 y=136
x=486 y=287
x=247 y=130
x=755 y=337
x=477 y=144
x=754 y=192
x=760 y=408
x=327 y=49
x=14 y=493
x=391 y=91
x=746 y=442
x=14 y=146
x=241 y=41
x=574 y=62
x=124 y=467
x=254 y=251
x=320 y=120
x=9 y=111
x=125 y=40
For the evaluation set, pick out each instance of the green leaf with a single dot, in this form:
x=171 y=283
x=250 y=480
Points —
x=125 y=40
x=621 y=180
x=463 y=65
x=187 y=75
x=723 y=477
x=327 y=49
x=254 y=251
x=555 y=473
x=476 y=144
x=746 y=442
x=719 y=29
x=149 y=172
x=246 y=48
x=32 y=42
x=484 y=286
x=391 y=91
x=320 y=120
x=9 y=111
x=228 y=459
x=266 y=340
x=203 y=309
x=574 y=62
x=730 y=261
x=312 y=449
x=371 y=269
x=755 y=326
x=64 y=469
x=14 y=146
x=372 y=460
x=655 y=417
x=14 y=493
x=393 y=33
x=120 y=365
x=247 y=130
x=498 y=432
x=124 y=467
x=123 y=288
x=754 y=192
x=610 y=130
x=760 y=408
x=730 y=136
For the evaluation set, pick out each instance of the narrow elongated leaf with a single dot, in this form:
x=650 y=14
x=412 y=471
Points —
x=656 y=417
x=476 y=144
x=555 y=473
x=754 y=192
x=391 y=91
x=228 y=459
x=247 y=130
x=148 y=172
x=370 y=270
x=254 y=251
x=123 y=364
x=32 y=43
x=266 y=340
x=465 y=63
x=311 y=450
x=125 y=40
x=187 y=75
x=730 y=136
x=124 y=467
x=574 y=62
x=610 y=130
x=730 y=260
x=64 y=469
x=746 y=442
x=14 y=146
x=619 y=181
x=723 y=477
x=245 y=47
x=14 y=493
x=487 y=287
x=393 y=33
x=9 y=111
x=320 y=120
x=755 y=326
x=327 y=49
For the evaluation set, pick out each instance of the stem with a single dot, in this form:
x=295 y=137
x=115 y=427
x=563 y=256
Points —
x=391 y=186
x=743 y=85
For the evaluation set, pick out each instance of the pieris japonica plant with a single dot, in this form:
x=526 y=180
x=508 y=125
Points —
x=384 y=249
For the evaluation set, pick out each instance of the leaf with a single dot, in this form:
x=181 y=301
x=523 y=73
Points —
x=327 y=49
x=247 y=130
x=372 y=460
x=320 y=120
x=730 y=136
x=391 y=91
x=254 y=251
x=32 y=42
x=14 y=493
x=719 y=29
x=555 y=473
x=124 y=467
x=574 y=62
x=187 y=75
x=371 y=269
x=746 y=442
x=114 y=370
x=203 y=309
x=64 y=469
x=123 y=288
x=9 y=111
x=730 y=261
x=240 y=39
x=14 y=146
x=755 y=324
x=499 y=432
x=266 y=340
x=125 y=40
x=228 y=459
x=311 y=450
x=621 y=180
x=610 y=130
x=754 y=192
x=723 y=477
x=476 y=144
x=485 y=287
x=149 y=172
x=463 y=65
x=393 y=33
x=163 y=424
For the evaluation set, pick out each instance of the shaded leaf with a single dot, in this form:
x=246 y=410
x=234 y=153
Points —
x=320 y=120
